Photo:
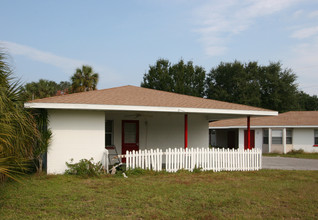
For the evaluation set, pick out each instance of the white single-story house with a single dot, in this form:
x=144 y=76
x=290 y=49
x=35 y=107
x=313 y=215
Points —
x=130 y=118
x=280 y=134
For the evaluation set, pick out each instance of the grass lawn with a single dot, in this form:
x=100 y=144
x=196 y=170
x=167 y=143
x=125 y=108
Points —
x=208 y=195
x=295 y=155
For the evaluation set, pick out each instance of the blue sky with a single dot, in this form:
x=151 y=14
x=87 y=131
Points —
x=120 y=39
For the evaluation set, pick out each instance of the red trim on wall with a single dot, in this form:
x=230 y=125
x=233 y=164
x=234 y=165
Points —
x=248 y=132
x=315 y=145
x=185 y=131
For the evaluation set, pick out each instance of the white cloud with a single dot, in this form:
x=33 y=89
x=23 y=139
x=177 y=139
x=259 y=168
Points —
x=215 y=50
x=307 y=55
x=304 y=61
x=66 y=64
x=305 y=32
x=219 y=21
x=313 y=14
x=298 y=13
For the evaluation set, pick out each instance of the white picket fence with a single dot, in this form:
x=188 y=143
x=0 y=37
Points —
x=189 y=159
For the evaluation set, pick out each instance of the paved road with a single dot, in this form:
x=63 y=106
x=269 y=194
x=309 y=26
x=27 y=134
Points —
x=285 y=163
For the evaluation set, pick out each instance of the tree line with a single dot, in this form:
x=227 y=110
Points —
x=24 y=134
x=266 y=86
x=84 y=79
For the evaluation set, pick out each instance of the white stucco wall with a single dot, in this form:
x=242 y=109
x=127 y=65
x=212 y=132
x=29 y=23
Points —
x=303 y=138
x=162 y=130
x=277 y=148
x=80 y=134
x=77 y=135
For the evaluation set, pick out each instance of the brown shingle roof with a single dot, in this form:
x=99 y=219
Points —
x=137 y=96
x=293 y=118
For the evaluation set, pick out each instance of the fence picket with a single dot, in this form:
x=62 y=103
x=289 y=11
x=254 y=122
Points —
x=190 y=158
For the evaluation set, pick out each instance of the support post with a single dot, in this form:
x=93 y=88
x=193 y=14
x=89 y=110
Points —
x=185 y=131
x=269 y=140
x=248 y=132
x=284 y=141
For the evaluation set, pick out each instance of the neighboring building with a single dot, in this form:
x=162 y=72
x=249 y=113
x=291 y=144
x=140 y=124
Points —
x=131 y=118
x=288 y=131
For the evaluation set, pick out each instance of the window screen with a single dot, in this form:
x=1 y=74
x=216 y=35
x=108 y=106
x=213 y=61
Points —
x=277 y=137
x=130 y=133
x=289 y=136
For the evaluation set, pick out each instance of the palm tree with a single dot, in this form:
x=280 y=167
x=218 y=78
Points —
x=84 y=79
x=37 y=90
x=18 y=130
x=42 y=145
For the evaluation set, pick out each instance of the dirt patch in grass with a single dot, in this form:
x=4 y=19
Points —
x=263 y=194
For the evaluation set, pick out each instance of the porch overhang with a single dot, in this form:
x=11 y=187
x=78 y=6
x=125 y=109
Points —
x=266 y=126
x=211 y=114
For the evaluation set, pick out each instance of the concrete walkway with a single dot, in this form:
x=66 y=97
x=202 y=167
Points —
x=285 y=163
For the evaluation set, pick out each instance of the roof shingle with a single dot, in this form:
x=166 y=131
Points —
x=137 y=96
x=292 y=118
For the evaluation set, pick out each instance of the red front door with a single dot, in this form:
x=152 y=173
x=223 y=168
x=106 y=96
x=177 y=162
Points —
x=252 y=136
x=130 y=136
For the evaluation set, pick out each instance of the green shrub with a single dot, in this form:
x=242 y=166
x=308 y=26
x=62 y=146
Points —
x=300 y=151
x=85 y=168
x=197 y=169
x=139 y=172
x=183 y=171
x=136 y=171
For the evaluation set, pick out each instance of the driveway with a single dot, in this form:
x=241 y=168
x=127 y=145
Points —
x=285 y=163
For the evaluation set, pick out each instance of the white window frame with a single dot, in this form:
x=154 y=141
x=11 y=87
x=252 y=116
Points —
x=315 y=137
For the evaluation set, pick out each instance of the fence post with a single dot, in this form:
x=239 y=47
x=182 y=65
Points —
x=168 y=160
x=105 y=158
x=260 y=160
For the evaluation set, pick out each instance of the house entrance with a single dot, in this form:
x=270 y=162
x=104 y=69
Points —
x=130 y=136
x=231 y=139
x=252 y=139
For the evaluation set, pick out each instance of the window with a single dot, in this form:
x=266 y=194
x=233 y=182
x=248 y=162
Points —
x=109 y=132
x=316 y=137
x=212 y=137
x=265 y=136
x=277 y=137
x=289 y=136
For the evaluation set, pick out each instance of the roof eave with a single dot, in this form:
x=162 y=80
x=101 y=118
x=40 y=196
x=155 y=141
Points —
x=147 y=109
x=266 y=126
